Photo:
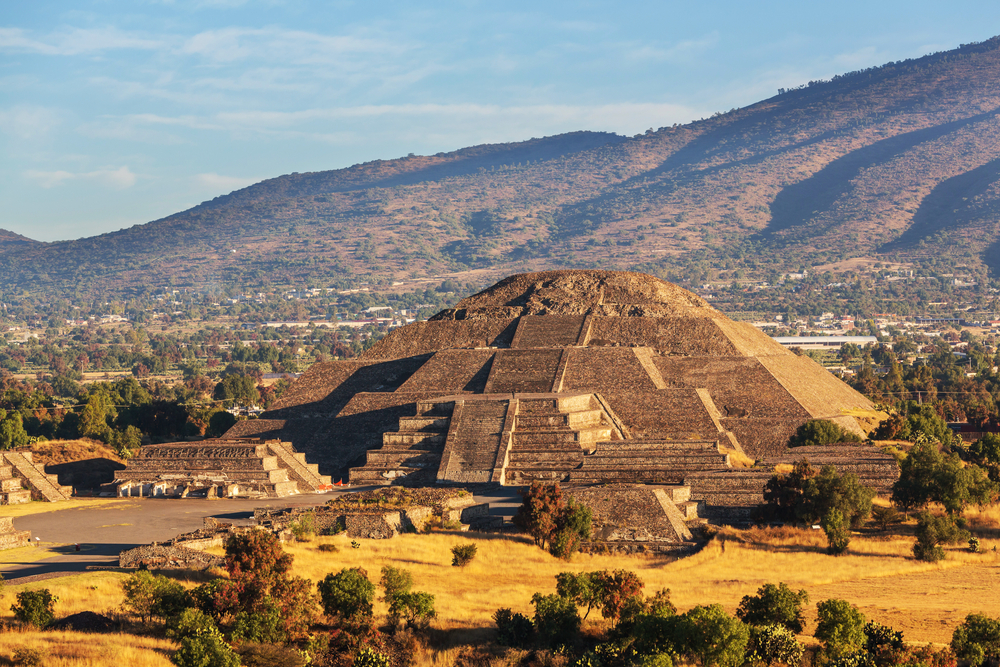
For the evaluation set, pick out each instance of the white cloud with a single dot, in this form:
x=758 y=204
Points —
x=74 y=41
x=298 y=47
x=218 y=182
x=119 y=179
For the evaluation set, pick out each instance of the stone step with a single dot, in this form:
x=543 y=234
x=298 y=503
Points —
x=423 y=423
x=667 y=458
x=543 y=457
x=539 y=437
x=581 y=419
x=424 y=438
x=6 y=471
x=33 y=478
x=383 y=459
x=658 y=445
x=10 y=484
x=15 y=497
x=428 y=409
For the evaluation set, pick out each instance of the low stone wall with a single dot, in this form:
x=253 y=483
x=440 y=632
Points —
x=10 y=538
x=168 y=557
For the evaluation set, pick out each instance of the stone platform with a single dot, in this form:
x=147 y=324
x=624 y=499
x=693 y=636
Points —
x=220 y=469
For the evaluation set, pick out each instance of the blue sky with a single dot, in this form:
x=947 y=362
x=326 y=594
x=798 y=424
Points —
x=114 y=113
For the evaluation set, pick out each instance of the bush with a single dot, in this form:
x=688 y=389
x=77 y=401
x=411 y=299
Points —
x=348 y=593
x=772 y=605
x=712 y=636
x=553 y=523
x=463 y=554
x=395 y=581
x=513 y=629
x=841 y=627
x=886 y=516
x=556 y=619
x=35 y=607
x=265 y=655
x=821 y=432
x=329 y=548
x=933 y=531
x=30 y=657
x=838 y=537
x=771 y=644
x=977 y=639
x=148 y=594
x=416 y=608
x=262 y=626
x=304 y=528
x=201 y=643
x=974 y=545
x=369 y=657
x=878 y=637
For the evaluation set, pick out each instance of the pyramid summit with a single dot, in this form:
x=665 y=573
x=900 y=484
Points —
x=582 y=377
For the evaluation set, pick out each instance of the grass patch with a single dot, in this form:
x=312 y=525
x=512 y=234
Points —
x=80 y=649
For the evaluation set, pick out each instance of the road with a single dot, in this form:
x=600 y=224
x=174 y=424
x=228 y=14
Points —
x=103 y=532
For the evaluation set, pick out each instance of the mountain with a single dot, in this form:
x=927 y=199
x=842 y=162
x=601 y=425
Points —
x=896 y=163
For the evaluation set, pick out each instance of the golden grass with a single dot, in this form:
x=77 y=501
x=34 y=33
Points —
x=507 y=572
x=79 y=649
x=39 y=506
x=63 y=451
x=29 y=554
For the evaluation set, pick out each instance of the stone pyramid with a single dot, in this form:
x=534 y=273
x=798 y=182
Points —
x=578 y=376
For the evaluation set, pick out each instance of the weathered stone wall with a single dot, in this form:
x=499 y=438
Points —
x=165 y=557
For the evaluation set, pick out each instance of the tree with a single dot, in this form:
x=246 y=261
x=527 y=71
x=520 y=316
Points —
x=932 y=532
x=977 y=639
x=619 y=590
x=415 y=607
x=925 y=475
x=347 y=594
x=841 y=627
x=237 y=390
x=821 y=432
x=513 y=629
x=837 y=535
x=772 y=605
x=462 y=554
x=35 y=607
x=783 y=493
x=886 y=516
x=712 y=636
x=12 y=433
x=553 y=522
x=556 y=619
x=832 y=491
x=148 y=594
x=770 y=644
x=987 y=448
x=201 y=643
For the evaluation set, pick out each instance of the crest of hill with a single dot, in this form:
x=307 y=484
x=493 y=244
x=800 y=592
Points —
x=898 y=161
x=13 y=240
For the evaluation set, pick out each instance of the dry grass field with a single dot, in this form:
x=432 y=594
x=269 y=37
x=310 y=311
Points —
x=924 y=600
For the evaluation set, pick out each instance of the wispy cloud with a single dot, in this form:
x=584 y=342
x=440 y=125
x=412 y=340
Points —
x=74 y=41
x=218 y=182
x=28 y=122
x=119 y=179
x=288 y=46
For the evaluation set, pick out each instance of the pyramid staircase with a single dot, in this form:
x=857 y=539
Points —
x=551 y=435
x=412 y=452
x=649 y=461
x=21 y=480
x=306 y=475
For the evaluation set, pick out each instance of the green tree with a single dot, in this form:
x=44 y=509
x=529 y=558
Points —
x=348 y=593
x=237 y=390
x=513 y=629
x=821 y=432
x=35 y=607
x=12 y=433
x=771 y=644
x=557 y=621
x=712 y=637
x=153 y=595
x=841 y=627
x=201 y=643
x=772 y=605
x=838 y=536
x=832 y=491
x=987 y=448
x=925 y=475
x=932 y=532
x=977 y=639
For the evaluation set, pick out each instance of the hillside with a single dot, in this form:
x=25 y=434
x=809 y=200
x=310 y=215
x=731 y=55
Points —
x=897 y=163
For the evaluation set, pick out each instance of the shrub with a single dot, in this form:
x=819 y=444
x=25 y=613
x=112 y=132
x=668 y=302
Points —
x=925 y=475
x=463 y=554
x=556 y=619
x=841 y=627
x=148 y=594
x=262 y=626
x=712 y=636
x=977 y=639
x=774 y=605
x=304 y=528
x=513 y=629
x=773 y=643
x=878 y=636
x=618 y=591
x=821 y=432
x=30 y=657
x=395 y=581
x=416 y=608
x=369 y=657
x=974 y=545
x=933 y=531
x=838 y=537
x=329 y=548
x=35 y=607
x=265 y=655
x=886 y=516
x=201 y=643
x=553 y=523
x=348 y=593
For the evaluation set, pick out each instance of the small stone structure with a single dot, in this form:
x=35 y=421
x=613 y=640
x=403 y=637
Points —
x=168 y=557
x=11 y=538
x=22 y=480
x=648 y=518
x=220 y=469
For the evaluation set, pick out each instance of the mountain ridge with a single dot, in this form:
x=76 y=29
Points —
x=898 y=161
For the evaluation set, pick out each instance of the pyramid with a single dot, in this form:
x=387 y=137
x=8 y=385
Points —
x=583 y=377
